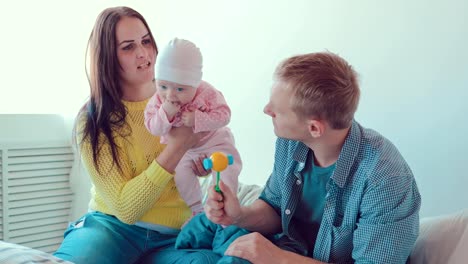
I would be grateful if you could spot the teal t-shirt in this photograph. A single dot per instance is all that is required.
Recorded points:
(308, 214)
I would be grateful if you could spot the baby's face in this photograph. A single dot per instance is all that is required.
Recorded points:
(174, 92)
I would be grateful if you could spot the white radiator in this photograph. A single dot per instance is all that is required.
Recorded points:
(35, 194)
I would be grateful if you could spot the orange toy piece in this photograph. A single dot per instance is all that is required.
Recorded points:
(218, 162)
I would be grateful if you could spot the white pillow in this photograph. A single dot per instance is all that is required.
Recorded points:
(247, 193)
(442, 239)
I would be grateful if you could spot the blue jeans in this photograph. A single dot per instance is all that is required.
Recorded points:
(201, 233)
(100, 238)
(182, 256)
(201, 239)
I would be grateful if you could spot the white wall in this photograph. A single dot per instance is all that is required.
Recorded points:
(411, 56)
(32, 128)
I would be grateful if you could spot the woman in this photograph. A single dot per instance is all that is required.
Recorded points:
(135, 208)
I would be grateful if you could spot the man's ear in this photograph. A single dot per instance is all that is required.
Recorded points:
(316, 128)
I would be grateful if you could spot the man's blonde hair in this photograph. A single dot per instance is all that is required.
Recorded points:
(324, 86)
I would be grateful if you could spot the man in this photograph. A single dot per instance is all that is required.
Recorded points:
(338, 192)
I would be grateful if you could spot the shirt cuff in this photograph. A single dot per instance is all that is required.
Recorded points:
(158, 174)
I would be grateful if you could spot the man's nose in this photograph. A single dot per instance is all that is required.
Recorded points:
(267, 110)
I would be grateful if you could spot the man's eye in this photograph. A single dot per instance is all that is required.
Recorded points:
(163, 87)
(180, 89)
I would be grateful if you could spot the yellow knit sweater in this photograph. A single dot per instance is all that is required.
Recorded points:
(143, 190)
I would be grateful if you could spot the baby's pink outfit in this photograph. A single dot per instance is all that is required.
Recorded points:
(214, 118)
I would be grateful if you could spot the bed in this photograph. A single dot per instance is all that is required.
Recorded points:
(442, 239)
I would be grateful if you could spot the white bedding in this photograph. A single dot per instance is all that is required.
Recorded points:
(246, 193)
(442, 239)
(14, 254)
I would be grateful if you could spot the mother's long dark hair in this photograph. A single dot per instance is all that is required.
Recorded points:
(104, 112)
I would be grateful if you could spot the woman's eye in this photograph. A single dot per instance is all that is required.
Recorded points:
(128, 47)
(180, 89)
(163, 87)
(146, 41)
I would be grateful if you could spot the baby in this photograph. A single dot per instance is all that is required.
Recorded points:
(182, 98)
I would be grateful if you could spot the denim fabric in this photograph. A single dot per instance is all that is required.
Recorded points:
(182, 256)
(171, 255)
(201, 233)
(100, 238)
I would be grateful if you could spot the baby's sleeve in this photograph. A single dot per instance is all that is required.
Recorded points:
(156, 118)
(216, 112)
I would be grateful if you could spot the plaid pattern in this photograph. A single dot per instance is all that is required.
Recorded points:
(371, 212)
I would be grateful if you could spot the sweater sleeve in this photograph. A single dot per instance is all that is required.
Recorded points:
(156, 118)
(217, 113)
(128, 198)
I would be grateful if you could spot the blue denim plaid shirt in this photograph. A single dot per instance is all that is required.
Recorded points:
(371, 212)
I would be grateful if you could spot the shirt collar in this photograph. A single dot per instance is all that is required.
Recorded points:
(300, 155)
(348, 155)
(345, 160)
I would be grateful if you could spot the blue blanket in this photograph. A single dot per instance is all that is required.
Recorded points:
(201, 233)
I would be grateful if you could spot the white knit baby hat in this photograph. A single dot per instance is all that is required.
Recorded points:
(180, 61)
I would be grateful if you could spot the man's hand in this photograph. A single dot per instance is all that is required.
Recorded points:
(171, 108)
(255, 248)
(223, 209)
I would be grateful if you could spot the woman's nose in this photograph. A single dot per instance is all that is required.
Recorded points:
(141, 52)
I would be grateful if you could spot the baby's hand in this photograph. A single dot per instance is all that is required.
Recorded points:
(171, 108)
(188, 118)
(203, 108)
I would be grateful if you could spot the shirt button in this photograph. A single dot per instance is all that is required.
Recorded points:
(287, 211)
(298, 182)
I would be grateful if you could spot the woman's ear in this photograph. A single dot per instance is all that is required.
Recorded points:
(316, 128)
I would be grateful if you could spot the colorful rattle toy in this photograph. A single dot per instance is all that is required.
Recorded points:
(218, 161)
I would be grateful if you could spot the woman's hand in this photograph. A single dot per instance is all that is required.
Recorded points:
(179, 140)
(184, 137)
